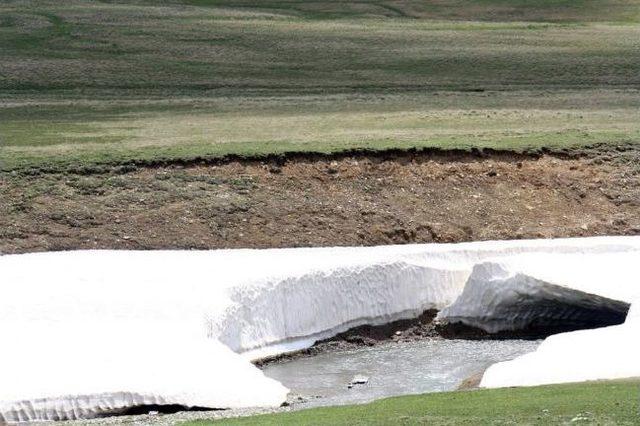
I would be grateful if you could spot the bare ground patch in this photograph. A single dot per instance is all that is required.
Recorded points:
(341, 200)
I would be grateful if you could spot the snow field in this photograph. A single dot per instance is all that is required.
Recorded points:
(93, 332)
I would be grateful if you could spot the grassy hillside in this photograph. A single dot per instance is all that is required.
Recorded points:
(119, 46)
(474, 10)
(86, 81)
(585, 403)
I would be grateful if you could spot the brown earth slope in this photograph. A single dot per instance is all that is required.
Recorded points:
(343, 200)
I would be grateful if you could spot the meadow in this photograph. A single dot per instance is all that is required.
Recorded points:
(104, 82)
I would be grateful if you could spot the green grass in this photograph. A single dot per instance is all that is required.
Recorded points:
(87, 81)
(603, 403)
(483, 10)
(83, 133)
(109, 48)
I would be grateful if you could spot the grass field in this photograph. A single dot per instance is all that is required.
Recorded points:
(85, 82)
(602, 403)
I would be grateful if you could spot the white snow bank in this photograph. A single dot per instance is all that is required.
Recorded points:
(84, 327)
(603, 353)
(537, 290)
(353, 286)
(523, 291)
(295, 312)
(93, 368)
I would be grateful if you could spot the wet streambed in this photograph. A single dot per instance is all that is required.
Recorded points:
(392, 369)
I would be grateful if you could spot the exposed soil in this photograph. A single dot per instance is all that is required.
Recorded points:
(372, 199)
(471, 382)
(406, 330)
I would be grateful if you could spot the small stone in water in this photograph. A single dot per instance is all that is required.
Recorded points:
(359, 380)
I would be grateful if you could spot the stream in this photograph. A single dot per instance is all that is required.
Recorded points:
(392, 369)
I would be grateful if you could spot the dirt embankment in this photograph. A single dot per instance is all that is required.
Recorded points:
(406, 330)
(342, 200)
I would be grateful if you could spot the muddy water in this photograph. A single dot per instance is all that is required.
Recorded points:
(394, 369)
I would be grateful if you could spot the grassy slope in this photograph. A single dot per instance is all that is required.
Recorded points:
(100, 81)
(466, 10)
(616, 402)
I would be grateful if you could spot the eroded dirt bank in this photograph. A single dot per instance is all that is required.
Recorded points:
(406, 330)
(344, 200)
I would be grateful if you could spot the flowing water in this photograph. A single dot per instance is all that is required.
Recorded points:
(393, 369)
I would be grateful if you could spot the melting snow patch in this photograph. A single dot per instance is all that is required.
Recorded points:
(295, 312)
(64, 371)
(95, 332)
(604, 353)
(547, 292)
